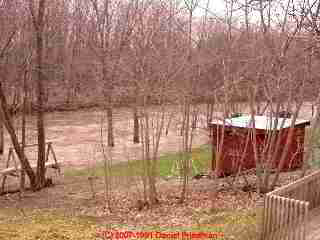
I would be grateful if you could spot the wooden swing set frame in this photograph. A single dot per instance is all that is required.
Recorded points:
(17, 171)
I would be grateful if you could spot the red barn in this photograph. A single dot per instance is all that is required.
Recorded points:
(237, 139)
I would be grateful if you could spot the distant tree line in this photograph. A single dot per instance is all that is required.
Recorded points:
(63, 54)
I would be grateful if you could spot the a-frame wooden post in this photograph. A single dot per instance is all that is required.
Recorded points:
(1, 135)
(10, 155)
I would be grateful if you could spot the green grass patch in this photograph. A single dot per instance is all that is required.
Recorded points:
(166, 165)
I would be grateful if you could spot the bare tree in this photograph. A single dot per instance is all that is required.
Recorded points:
(112, 25)
(5, 113)
(37, 11)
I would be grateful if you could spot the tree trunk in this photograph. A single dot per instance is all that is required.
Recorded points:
(151, 177)
(8, 124)
(136, 137)
(1, 135)
(153, 190)
(39, 25)
(110, 126)
(23, 128)
(186, 151)
(109, 103)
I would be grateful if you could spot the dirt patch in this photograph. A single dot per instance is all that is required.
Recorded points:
(73, 196)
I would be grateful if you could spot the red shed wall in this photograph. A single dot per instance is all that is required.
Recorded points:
(235, 140)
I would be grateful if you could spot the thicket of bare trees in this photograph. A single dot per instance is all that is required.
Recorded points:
(140, 53)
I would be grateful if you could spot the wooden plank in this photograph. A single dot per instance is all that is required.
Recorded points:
(295, 220)
(272, 216)
(55, 165)
(287, 225)
(282, 217)
(263, 232)
(7, 166)
(276, 218)
(55, 158)
(47, 152)
(7, 171)
(268, 220)
(298, 223)
(290, 219)
(300, 220)
(32, 145)
(306, 219)
(10, 170)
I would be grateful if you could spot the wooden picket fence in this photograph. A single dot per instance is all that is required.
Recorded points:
(286, 209)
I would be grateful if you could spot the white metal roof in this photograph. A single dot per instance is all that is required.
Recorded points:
(261, 122)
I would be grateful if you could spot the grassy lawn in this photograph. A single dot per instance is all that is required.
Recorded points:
(50, 226)
(166, 165)
(47, 226)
